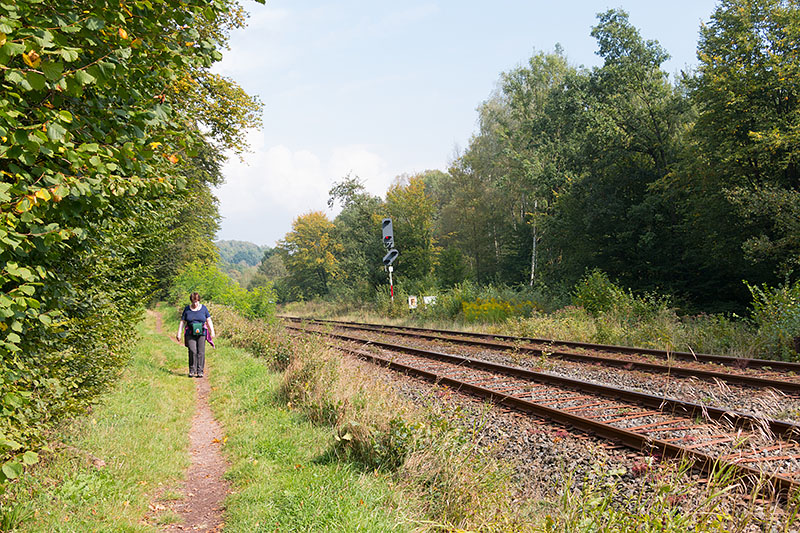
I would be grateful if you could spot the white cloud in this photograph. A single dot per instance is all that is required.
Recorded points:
(265, 193)
(359, 161)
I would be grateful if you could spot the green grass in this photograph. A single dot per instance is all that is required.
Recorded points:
(140, 430)
(281, 474)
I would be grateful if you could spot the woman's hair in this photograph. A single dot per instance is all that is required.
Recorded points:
(194, 297)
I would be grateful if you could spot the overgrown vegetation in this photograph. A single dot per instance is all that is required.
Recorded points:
(676, 504)
(454, 482)
(776, 312)
(596, 310)
(680, 187)
(262, 338)
(112, 129)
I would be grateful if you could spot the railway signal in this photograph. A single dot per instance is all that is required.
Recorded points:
(390, 256)
(388, 234)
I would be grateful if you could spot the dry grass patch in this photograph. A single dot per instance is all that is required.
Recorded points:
(455, 482)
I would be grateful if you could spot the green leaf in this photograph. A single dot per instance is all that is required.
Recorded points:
(9, 444)
(15, 76)
(52, 70)
(12, 470)
(84, 78)
(36, 80)
(56, 131)
(30, 458)
(94, 24)
(67, 54)
(65, 116)
(89, 147)
(107, 67)
(27, 158)
(13, 49)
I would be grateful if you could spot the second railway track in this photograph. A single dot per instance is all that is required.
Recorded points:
(780, 375)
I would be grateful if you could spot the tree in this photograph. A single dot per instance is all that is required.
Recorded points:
(472, 214)
(309, 253)
(614, 215)
(748, 129)
(451, 269)
(412, 212)
(97, 153)
(533, 145)
(358, 231)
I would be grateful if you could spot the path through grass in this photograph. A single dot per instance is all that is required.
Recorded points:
(112, 469)
(282, 479)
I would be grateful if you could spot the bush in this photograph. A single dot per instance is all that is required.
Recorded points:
(598, 294)
(215, 286)
(262, 338)
(776, 312)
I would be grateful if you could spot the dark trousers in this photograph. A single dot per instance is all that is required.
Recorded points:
(197, 353)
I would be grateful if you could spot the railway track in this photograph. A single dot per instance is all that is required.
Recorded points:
(780, 375)
(756, 447)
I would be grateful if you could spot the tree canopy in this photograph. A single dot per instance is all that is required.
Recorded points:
(684, 186)
(108, 147)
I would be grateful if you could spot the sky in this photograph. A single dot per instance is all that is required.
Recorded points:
(377, 89)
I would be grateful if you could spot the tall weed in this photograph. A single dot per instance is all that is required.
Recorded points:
(776, 312)
(668, 501)
(262, 338)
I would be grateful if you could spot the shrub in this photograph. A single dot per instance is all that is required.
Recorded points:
(262, 338)
(213, 285)
(776, 312)
(598, 294)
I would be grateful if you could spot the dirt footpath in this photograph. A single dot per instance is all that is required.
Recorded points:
(205, 489)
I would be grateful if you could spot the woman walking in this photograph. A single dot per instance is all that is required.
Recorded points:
(196, 325)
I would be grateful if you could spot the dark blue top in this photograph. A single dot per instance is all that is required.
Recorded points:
(201, 315)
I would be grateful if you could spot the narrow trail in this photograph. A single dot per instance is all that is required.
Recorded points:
(205, 489)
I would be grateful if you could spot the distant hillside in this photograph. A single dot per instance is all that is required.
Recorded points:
(240, 252)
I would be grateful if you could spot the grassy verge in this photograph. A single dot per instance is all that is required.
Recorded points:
(106, 467)
(283, 477)
(456, 486)
(441, 478)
